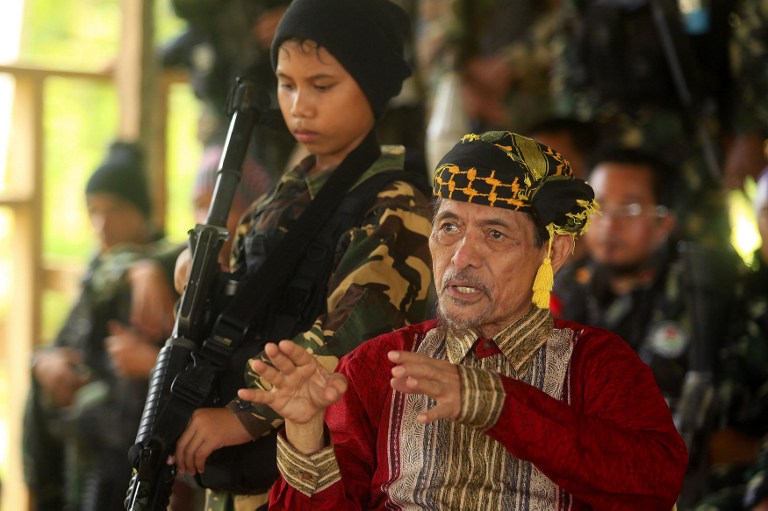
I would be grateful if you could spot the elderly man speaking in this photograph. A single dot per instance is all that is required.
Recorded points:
(493, 405)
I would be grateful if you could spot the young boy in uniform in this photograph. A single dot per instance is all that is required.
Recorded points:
(338, 62)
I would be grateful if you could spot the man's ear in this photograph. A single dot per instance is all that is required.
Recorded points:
(562, 248)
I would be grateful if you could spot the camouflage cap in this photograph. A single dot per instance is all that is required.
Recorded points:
(506, 170)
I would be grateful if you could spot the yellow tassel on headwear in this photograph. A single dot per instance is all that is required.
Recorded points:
(545, 280)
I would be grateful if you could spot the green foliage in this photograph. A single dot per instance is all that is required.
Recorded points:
(81, 116)
(77, 137)
(80, 34)
(183, 156)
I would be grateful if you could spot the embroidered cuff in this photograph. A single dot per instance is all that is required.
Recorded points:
(482, 397)
(309, 474)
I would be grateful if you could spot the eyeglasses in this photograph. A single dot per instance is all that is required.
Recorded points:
(633, 210)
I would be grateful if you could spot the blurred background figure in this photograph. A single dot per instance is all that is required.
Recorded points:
(575, 139)
(739, 475)
(678, 303)
(89, 386)
(224, 40)
(483, 65)
(685, 79)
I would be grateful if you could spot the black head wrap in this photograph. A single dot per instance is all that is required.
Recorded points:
(122, 174)
(366, 37)
(506, 170)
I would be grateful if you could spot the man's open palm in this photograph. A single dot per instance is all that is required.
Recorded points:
(301, 388)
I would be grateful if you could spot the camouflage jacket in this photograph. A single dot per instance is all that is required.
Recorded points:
(745, 361)
(745, 388)
(659, 316)
(381, 276)
(749, 61)
(450, 32)
(737, 54)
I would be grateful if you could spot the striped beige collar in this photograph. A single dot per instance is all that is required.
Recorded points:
(519, 341)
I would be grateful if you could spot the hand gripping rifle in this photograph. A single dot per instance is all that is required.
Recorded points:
(183, 374)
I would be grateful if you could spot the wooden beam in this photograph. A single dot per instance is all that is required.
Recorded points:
(23, 325)
(137, 76)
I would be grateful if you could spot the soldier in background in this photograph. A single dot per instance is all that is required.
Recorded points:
(500, 51)
(739, 477)
(680, 305)
(89, 387)
(224, 40)
(614, 66)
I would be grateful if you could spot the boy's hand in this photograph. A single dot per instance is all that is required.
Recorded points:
(208, 430)
(301, 391)
(133, 355)
(57, 371)
(438, 379)
(301, 387)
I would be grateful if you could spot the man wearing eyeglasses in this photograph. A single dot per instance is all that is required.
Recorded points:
(675, 302)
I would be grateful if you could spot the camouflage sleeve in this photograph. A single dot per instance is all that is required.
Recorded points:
(382, 282)
(749, 61)
(757, 480)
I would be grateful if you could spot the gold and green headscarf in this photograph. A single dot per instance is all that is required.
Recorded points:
(506, 170)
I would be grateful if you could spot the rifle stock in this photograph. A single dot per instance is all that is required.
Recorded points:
(182, 377)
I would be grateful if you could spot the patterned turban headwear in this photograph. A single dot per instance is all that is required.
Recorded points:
(505, 170)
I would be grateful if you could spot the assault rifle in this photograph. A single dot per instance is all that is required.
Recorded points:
(710, 300)
(183, 375)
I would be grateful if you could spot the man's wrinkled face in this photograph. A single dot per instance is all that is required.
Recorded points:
(631, 226)
(484, 261)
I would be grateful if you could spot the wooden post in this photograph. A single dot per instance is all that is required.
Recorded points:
(23, 324)
(137, 79)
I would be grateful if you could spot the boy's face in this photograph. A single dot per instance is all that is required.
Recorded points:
(322, 104)
(116, 221)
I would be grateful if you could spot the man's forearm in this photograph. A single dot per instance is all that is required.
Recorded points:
(307, 438)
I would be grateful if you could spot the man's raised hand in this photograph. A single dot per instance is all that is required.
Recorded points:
(415, 373)
(301, 390)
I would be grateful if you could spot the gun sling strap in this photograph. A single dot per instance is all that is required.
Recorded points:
(194, 384)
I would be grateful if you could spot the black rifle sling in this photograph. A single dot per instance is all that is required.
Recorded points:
(194, 384)
(258, 288)
(305, 294)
